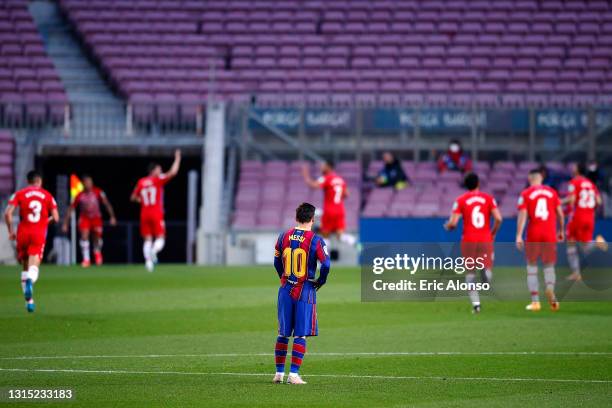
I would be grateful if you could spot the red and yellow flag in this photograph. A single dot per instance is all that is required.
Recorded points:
(75, 186)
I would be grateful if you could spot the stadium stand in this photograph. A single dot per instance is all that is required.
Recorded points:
(455, 52)
(432, 194)
(262, 188)
(267, 193)
(30, 90)
(7, 166)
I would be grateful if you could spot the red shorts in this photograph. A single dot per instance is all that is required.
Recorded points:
(30, 242)
(475, 250)
(91, 224)
(580, 231)
(152, 225)
(331, 222)
(546, 251)
(541, 246)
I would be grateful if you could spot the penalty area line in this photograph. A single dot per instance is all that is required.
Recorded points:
(349, 376)
(322, 354)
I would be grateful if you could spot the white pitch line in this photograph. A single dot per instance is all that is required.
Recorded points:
(379, 377)
(325, 354)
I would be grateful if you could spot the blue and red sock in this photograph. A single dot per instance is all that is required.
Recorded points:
(297, 353)
(280, 353)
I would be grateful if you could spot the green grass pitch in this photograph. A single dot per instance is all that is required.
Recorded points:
(187, 336)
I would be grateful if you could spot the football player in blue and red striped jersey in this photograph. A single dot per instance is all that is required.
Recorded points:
(296, 255)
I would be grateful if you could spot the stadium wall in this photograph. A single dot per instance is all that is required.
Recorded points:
(430, 230)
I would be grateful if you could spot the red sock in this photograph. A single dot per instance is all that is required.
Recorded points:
(280, 353)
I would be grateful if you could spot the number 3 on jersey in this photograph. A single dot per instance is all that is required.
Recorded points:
(295, 262)
(35, 210)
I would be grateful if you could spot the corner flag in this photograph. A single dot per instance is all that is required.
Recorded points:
(75, 186)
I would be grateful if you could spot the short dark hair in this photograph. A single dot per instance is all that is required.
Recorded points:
(581, 168)
(470, 181)
(32, 176)
(536, 171)
(152, 166)
(330, 163)
(304, 213)
(85, 176)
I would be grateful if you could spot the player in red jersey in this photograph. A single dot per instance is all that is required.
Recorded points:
(296, 254)
(335, 192)
(583, 199)
(149, 192)
(540, 205)
(36, 205)
(90, 219)
(476, 208)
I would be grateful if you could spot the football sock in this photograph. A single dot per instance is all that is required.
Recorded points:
(488, 275)
(550, 277)
(24, 278)
(297, 354)
(572, 258)
(348, 239)
(98, 245)
(33, 273)
(588, 247)
(146, 250)
(158, 245)
(473, 294)
(532, 282)
(84, 249)
(280, 353)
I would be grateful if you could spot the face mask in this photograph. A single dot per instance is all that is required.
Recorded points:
(454, 148)
(592, 167)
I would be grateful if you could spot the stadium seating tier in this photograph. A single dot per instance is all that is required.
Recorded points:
(30, 88)
(457, 52)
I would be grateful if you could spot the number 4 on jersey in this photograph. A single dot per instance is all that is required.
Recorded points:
(541, 209)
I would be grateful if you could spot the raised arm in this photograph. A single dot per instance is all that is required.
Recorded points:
(312, 183)
(174, 169)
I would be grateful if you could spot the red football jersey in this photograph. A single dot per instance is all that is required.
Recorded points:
(35, 206)
(541, 204)
(151, 193)
(334, 192)
(88, 203)
(585, 195)
(475, 207)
